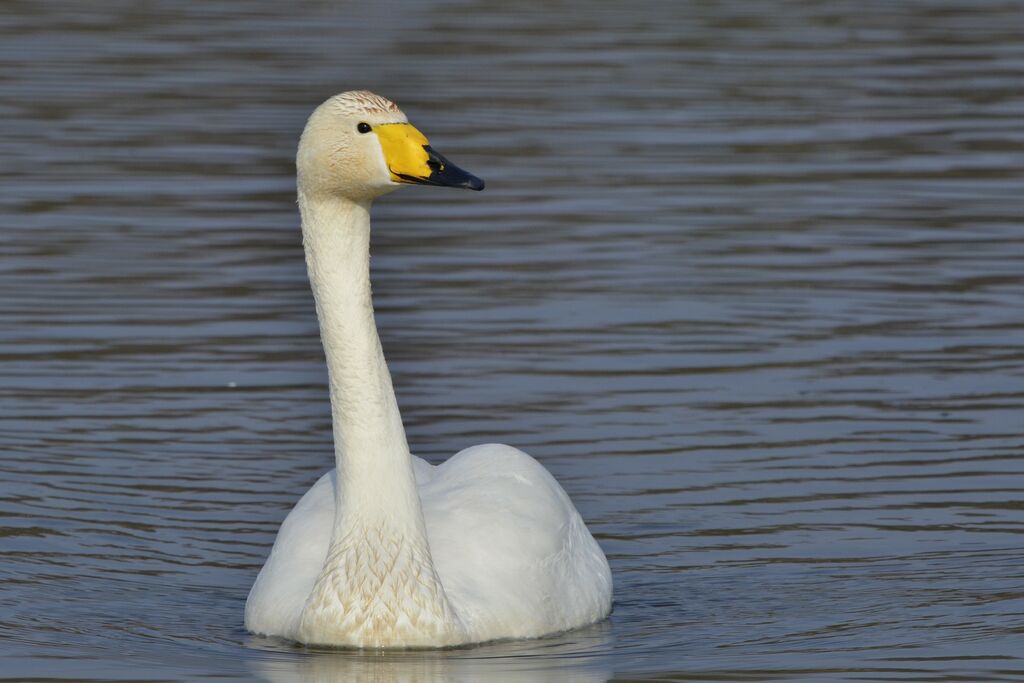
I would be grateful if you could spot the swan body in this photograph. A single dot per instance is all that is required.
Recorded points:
(387, 550)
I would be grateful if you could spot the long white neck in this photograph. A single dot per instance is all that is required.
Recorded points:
(374, 464)
(364, 595)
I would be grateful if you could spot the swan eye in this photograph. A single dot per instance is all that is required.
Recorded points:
(363, 127)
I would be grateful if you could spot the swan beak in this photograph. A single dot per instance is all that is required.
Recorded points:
(411, 159)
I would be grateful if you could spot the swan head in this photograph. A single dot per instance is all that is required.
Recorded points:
(360, 146)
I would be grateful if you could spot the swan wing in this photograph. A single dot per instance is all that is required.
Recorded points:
(512, 552)
(276, 600)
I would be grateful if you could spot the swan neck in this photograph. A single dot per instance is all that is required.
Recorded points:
(372, 455)
(378, 585)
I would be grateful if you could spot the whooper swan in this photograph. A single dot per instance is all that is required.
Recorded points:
(387, 550)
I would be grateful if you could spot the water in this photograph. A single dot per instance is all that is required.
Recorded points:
(746, 278)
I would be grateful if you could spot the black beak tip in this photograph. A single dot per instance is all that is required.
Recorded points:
(448, 174)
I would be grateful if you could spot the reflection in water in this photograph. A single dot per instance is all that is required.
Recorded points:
(338, 668)
(571, 658)
(746, 278)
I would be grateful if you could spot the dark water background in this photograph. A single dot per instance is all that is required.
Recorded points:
(748, 278)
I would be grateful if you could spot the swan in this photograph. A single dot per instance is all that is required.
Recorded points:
(387, 550)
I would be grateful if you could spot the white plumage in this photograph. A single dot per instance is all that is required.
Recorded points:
(387, 550)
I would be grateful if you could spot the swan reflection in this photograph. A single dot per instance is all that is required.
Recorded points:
(579, 657)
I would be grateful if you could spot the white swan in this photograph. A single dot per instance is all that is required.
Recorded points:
(387, 550)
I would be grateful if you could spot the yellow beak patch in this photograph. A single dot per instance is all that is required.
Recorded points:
(411, 159)
(404, 151)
